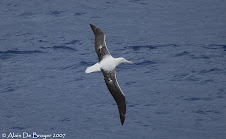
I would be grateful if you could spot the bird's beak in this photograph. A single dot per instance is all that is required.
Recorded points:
(130, 62)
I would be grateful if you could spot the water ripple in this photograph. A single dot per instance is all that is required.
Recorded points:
(86, 63)
(182, 54)
(79, 14)
(198, 98)
(224, 47)
(72, 42)
(210, 70)
(146, 62)
(20, 52)
(18, 128)
(60, 47)
(136, 48)
(56, 12)
(65, 120)
(216, 46)
(206, 112)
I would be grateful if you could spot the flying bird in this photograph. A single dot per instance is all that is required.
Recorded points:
(107, 65)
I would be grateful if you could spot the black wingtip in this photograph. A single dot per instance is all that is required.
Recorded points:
(96, 30)
(93, 28)
(122, 118)
(122, 109)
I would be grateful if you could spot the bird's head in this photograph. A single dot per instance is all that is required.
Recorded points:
(123, 60)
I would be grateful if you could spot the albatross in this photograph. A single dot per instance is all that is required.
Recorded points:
(107, 65)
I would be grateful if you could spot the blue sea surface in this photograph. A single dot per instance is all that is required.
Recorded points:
(175, 89)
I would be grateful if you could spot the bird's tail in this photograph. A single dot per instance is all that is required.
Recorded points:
(93, 68)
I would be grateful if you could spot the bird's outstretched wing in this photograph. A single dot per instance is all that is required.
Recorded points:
(116, 92)
(100, 44)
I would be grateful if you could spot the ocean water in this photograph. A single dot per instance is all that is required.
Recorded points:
(175, 90)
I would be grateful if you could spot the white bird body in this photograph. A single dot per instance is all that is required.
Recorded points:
(108, 63)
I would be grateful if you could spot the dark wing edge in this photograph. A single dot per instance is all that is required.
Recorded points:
(116, 92)
(100, 44)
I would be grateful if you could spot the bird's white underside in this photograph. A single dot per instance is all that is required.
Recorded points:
(108, 63)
